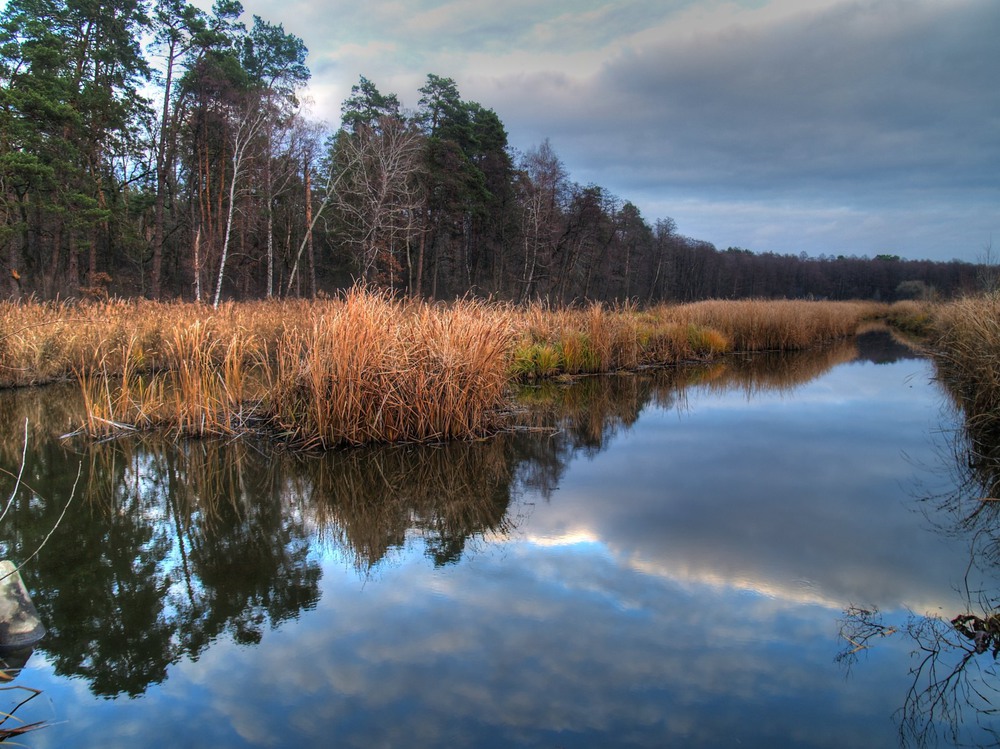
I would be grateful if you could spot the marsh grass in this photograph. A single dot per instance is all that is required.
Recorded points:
(967, 352)
(776, 325)
(913, 318)
(377, 370)
(366, 367)
(361, 369)
(598, 338)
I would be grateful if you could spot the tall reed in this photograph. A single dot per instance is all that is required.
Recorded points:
(365, 367)
(776, 325)
(377, 370)
(597, 338)
(602, 339)
(967, 350)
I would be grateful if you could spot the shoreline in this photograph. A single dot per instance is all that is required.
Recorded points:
(368, 368)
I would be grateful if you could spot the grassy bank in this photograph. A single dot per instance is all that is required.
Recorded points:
(599, 339)
(966, 345)
(365, 367)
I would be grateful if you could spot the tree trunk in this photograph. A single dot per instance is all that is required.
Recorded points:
(419, 290)
(197, 266)
(270, 220)
(73, 271)
(159, 206)
(225, 242)
(309, 234)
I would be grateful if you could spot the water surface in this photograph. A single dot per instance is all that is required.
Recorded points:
(665, 559)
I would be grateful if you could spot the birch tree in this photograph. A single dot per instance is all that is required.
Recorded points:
(379, 196)
(249, 123)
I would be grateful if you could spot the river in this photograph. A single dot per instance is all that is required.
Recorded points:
(758, 553)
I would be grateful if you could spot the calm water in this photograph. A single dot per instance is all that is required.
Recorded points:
(663, 560)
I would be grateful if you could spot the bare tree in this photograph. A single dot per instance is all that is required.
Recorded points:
(542, 191)
(379, 195)
(334, 176)
(988, 271)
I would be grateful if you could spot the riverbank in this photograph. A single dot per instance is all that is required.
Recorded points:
(366, 367)
(966, 349)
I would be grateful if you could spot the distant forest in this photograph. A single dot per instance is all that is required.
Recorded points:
(162, 152)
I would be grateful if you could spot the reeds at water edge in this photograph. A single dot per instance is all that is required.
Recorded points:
(361, 369)
(597, 338)
(966, 347)
(366, 367)
(777, 325)
(378, 370)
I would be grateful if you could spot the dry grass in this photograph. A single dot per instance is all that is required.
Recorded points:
(365, 367)
(913, 318)
(777, 325)
(375, 370)
(967, 351)
(601, 339)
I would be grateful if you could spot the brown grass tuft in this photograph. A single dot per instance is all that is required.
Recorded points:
(365, 367)
(967, 351)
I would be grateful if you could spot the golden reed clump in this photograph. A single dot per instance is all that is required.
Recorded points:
(365, 367)
(371, 369)
(360, 369)
(966, 347)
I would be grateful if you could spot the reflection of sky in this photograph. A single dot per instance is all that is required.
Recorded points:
(539, 647)
(682, 588)
(802, 495)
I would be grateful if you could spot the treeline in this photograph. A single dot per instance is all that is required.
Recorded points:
(164, 153)
(700, 271)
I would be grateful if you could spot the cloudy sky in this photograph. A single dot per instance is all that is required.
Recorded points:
(827, 126)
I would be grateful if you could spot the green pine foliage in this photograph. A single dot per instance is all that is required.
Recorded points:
(162, 152)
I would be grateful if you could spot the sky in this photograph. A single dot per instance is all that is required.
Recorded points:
(852, 127)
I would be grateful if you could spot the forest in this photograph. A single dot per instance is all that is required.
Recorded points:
(164, 152)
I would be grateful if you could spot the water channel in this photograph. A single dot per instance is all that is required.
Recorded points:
(764, 552)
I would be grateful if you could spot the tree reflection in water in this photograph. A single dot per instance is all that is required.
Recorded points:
(955, 691)
(175, 545)
(171, 546)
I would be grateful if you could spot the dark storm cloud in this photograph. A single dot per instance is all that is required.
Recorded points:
(894, 95)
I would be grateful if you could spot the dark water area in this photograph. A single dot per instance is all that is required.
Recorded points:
(763, 552)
